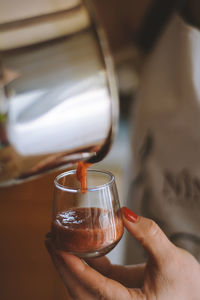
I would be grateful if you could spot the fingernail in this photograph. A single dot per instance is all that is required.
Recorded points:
(129, 214)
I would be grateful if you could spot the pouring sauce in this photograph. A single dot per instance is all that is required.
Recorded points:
(81, 174)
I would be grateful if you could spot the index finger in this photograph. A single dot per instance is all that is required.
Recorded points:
(131, 276)
(97, 284)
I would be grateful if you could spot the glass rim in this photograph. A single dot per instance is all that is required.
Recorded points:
(78, 190)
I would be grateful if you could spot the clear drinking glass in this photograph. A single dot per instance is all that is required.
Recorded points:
(86, 224)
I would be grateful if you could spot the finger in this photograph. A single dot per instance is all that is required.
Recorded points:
(99, 286)
(149, 234)
(75, 288)
(130, 276)
(83, 282)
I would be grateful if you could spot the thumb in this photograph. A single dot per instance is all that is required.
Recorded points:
(149, 234)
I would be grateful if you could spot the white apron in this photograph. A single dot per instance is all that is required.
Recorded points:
(166, 139)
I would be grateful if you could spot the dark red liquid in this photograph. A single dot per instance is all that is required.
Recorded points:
(87, 231)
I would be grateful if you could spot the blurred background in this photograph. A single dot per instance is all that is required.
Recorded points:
(26, 272)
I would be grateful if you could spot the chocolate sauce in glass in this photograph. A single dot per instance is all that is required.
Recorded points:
(87, 231)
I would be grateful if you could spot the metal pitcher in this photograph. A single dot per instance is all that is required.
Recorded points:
(58, 98)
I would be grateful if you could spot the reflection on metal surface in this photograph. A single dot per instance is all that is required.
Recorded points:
(58, 102)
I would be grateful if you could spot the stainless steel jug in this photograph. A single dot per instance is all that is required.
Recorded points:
(58, 98)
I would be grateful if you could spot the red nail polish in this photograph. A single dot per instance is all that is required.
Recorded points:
(129, 215)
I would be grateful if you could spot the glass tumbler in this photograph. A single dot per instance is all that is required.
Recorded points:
(86, 224)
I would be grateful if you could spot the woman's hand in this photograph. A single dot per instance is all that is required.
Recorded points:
(171, 273)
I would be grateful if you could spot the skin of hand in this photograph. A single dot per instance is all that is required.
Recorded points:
(170, 272)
